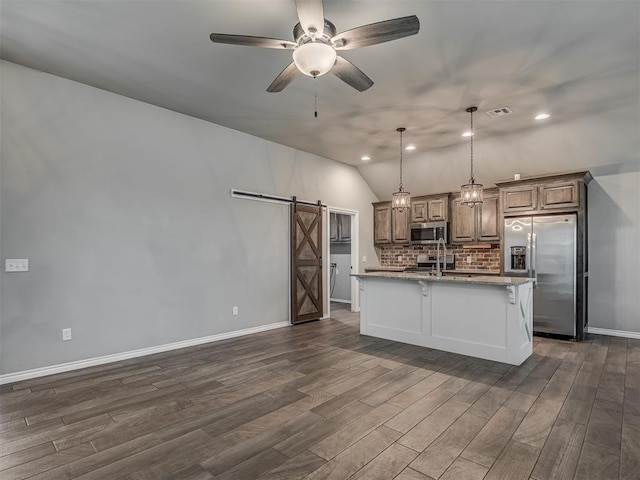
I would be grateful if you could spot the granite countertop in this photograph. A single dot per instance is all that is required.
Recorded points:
(456, 278)
(459, 271)
(474, 272)
(384, 269)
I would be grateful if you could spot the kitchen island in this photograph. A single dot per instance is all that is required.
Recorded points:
(488, 317)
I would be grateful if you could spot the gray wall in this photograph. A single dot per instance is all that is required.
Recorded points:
(614, 237)
(342, 285)
(124, 212)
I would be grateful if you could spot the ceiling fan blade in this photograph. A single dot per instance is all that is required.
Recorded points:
(251, 41)
(311, 16)
(379, 32)
(285, 77)
(349, 73)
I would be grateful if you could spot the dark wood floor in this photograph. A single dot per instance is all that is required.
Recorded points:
(319, 401)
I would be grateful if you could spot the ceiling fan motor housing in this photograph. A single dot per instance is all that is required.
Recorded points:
(301, 37)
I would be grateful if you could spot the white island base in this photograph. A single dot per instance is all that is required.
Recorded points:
(484, 317)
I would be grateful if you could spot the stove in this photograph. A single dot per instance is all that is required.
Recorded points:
(427, 263)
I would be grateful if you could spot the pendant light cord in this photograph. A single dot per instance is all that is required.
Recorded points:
(400, 130)
(400, 159)
(472, 179)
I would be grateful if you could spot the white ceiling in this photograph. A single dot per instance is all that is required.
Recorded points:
(573, 58)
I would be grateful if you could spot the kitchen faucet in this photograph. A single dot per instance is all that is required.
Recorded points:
(444, 248)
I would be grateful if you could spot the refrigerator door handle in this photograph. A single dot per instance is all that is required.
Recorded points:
(534, 256)
(529, 257)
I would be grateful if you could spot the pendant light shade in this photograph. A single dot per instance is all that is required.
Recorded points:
(401, 199)
(471, 193)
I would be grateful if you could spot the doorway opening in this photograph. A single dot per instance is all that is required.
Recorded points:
(342, 241)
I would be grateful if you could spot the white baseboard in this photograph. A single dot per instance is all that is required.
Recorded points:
(340, 300)
(614, 333)
(116, 357)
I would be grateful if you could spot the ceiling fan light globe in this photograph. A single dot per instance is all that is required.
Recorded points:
(314, 58)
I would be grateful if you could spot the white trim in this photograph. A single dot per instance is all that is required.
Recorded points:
(614, 333)
(90, 362)
(355, 254)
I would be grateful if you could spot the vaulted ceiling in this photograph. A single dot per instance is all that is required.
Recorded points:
(572, 58)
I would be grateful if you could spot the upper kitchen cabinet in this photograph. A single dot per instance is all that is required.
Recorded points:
(344, 227)
(390, 226)
(333, 227)
(554, 193)
(382, 223)
(559, 195)
(519, 198)
(479, 224)
(339, 228)
(400, 232)
(429, 209)
(488, 220)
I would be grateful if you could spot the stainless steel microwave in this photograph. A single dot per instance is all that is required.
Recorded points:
(429, 232)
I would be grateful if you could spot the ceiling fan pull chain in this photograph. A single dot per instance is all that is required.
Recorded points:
(315, 96)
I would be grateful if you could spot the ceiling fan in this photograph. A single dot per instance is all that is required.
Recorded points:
(316, 45)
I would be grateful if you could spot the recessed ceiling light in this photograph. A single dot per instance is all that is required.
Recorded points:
(542, 116)
(365, 158)
(410, 147)
(467, 134)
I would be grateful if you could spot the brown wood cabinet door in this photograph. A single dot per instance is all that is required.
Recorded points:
(419, 211)
(306, 262)
(559, 195)
(463, 225)
(516, 199)
(488, 228)
(382, 224)
(344, 228)
(333, 227)
(400, 223)
(438, 209)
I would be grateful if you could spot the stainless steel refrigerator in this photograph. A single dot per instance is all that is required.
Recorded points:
(544, 248)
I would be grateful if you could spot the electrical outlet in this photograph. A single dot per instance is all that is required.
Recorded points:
(399, 258)
(66, 334)
(235, 310)
(468, 258)
(364, 259)
(16, 265)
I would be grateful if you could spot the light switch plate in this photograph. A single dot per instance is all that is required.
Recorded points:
(16, 265)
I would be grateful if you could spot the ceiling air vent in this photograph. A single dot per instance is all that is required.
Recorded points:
(499, 112)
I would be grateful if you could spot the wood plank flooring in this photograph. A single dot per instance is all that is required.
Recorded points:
(319, 401)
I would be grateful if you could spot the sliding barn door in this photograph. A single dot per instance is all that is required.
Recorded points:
(306, 262)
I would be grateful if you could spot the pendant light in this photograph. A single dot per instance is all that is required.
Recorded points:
(471, 193)
(401, 199)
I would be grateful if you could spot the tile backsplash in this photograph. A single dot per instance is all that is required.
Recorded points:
(481, 258)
